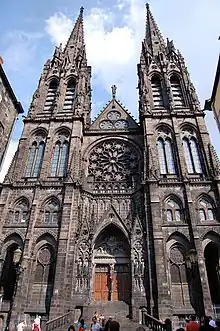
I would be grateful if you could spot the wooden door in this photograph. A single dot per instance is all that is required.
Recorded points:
(121, 283)
(101, 284)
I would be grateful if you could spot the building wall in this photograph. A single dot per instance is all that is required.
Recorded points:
(9, 110)
(216, 104)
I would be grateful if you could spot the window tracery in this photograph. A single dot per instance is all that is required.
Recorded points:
(51, 212)
(165, 153)
(20, 214)
(174, 211)
(35, 157)
(60, 156)
(45, 265)
(177, 266)
(191, 151)
(206, 212)
(114, 121)
(113, 162)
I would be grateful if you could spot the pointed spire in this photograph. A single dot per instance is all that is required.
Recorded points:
(75, 43)
(153, 36)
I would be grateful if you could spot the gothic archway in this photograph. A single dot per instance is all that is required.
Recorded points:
(8, 276)
(111, 271)
(212, 258)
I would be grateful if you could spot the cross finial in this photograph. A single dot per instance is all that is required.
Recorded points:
(114, 89)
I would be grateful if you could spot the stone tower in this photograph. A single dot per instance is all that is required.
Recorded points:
(112, 212)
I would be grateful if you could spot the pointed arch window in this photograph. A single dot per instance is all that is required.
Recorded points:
(51, 212)
(70, 95)
(174, 211)
(44, 272)
(20, 214)
(157, 92)
(51, 95)
(206, 210)
(35, 159)
(191, 152)
(60, 159)
(177, 91)
(166, 155)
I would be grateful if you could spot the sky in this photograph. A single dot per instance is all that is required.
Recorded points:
(114, 30)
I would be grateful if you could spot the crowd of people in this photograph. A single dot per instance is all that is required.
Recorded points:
(99, 323)
(206, 324)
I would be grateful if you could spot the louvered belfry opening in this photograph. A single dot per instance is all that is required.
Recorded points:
(51, 95)
(157, 92)
(70, 95)
(177, 91)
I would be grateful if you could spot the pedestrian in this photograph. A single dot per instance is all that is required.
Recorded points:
(95, 324)
(21, 325)
(81, 325)
(114, 326)
(192, 325)
(206, 326)
(36, 324)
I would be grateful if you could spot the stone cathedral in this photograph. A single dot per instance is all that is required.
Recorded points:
(112, 211)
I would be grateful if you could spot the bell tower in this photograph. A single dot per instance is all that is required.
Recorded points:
(178, 169)
(64, 86)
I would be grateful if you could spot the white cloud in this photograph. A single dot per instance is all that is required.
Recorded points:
(8, 158)
(113, 42)
(20, 49)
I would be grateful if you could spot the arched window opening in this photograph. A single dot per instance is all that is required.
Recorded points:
(192, 157)
(44, 272)
(212, 256)
(70, 95)
(51, 212)
(20, 212)
(51, 95)
(166, 156)
(35, 159)
(206, 212)
(178, 274)
(8, 276)
(174, 211)
(177, 91)
(157, 92)
(60, 159)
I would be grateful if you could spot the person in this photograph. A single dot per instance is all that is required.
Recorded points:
(36, 324)
(206, 326)
(180, 329)
(192, 325)
(212, 322)
(114, 326)
(21, 325)
(95, 325)
(81, 325)
(71, 328)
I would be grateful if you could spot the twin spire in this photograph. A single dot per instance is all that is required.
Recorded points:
(76, 39)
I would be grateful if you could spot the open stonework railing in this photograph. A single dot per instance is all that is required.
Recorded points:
(153, 323)
(60, 322)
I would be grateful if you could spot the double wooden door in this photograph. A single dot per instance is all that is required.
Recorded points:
(116, 288)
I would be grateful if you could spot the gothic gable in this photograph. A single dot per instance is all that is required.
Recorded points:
(114, 117)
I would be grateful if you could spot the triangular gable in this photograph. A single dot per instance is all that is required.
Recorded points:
(114, 117)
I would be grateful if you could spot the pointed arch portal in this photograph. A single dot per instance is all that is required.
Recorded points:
(111, 260)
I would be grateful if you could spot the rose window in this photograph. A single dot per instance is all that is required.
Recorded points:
(113, 161)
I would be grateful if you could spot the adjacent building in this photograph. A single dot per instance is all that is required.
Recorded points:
(214, 103)
(10, 108)
(112, 215)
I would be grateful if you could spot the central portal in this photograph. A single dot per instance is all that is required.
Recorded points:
(111, 274)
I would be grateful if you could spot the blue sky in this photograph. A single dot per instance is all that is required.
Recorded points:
(114, 30)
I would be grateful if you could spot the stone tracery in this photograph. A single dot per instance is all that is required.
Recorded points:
(113, 161)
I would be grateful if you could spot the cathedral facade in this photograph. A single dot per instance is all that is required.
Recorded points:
(113, 210)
